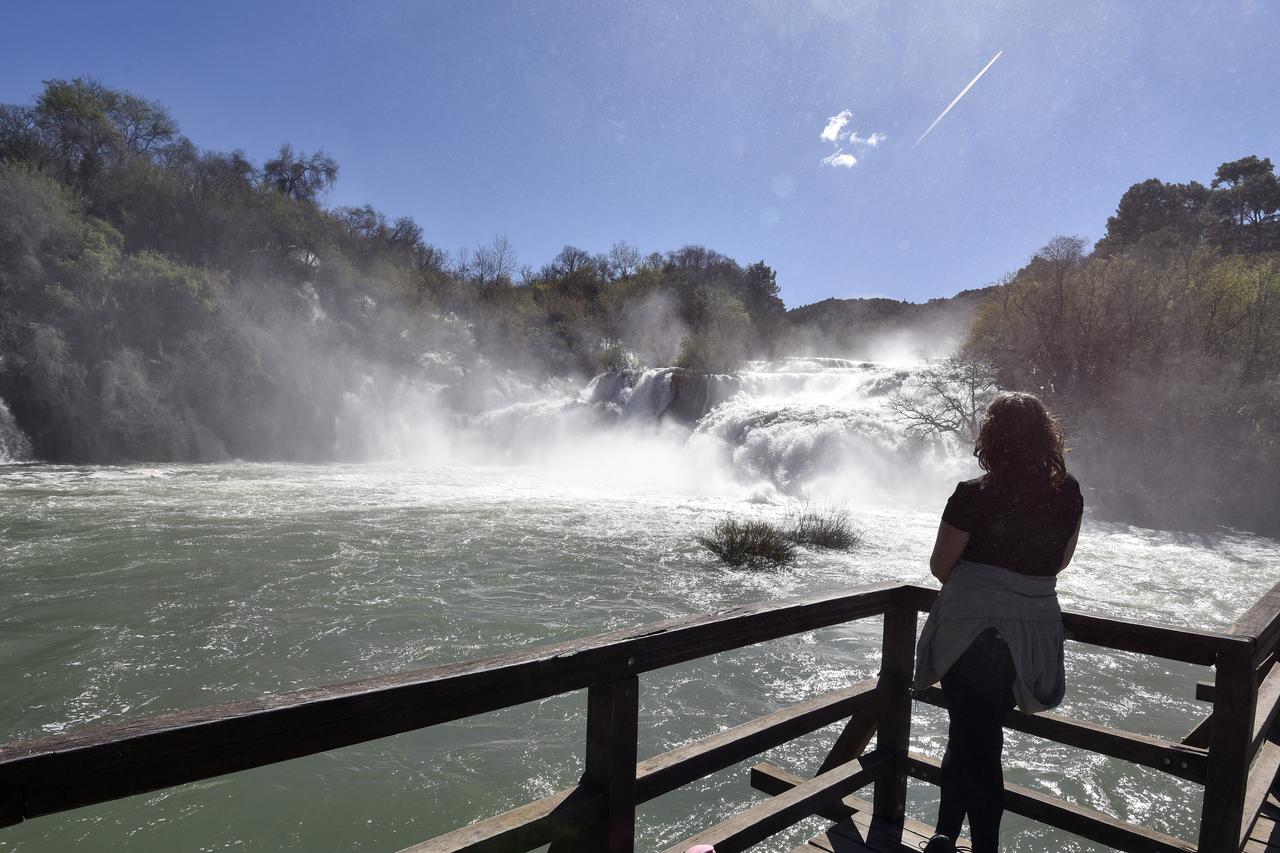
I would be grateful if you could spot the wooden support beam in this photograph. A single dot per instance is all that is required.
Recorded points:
(1174, 758)
(897, 666)
(1230, 744)
(684, 764)
(757, 823)
(1129, 635)
(1200, 735)
(1078, 820)
(611, 767)
(774, 780)
(853, 740)
(560, 817)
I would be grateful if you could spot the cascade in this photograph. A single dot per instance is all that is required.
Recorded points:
(14, 445)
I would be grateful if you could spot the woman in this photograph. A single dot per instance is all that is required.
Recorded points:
(994, 637)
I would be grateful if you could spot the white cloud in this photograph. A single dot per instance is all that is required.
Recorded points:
(835, 124)
(836, 134)
(840, 159)
(871, 141)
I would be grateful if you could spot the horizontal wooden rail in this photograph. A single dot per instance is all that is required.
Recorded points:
(1262, 623)
(1182, 761)
(750, 827)
(684, 764)
(77, 769)
(1130, 635)
(1078, 820)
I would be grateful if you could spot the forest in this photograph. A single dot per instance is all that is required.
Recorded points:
(1160, 347)
(163, 302)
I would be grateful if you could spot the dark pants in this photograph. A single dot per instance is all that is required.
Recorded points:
(979, 690)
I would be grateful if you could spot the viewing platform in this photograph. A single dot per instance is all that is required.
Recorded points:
(1234, 753)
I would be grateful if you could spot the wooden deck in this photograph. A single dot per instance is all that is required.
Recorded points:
(1234, 752)
(1265, 835)
(862, 832)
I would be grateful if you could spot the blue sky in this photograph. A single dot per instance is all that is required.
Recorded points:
(666, 123)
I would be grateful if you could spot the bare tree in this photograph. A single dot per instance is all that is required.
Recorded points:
(492, 263)
(504, 257)
(624, 259)
(949, 396)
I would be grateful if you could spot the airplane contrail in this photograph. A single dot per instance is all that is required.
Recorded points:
(957, 98)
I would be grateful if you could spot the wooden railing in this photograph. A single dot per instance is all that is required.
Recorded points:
(1232, 753)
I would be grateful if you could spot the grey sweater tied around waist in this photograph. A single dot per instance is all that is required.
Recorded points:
(1023, 608)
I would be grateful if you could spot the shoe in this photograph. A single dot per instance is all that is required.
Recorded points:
(940, 844)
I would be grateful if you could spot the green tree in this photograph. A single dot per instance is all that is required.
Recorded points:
(1246, 205)
(1169, 215)
(300, 176)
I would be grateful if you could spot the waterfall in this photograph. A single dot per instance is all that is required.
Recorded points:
(14, 445)
(822, 426)
(817, 427)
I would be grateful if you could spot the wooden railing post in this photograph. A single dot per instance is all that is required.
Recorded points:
(897, 668)
(1235, 697)
(611, 762)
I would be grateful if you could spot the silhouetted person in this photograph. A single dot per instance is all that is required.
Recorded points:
(994, 638)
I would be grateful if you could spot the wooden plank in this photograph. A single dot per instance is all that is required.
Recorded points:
(1129, 635)
(684, 764)
(1177, 759)
(1230, 742)
(66, 771)
(897, 666)
(1262, 777)
(611, 766)
(774, 780)
(864, 836)
(1078, 820)
(560, 816)
(757, 823)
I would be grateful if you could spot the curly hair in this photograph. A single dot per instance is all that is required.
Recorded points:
(1020, 441)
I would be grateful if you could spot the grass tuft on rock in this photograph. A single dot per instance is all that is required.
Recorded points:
(752, 544)
(831, 528)
(759, 544)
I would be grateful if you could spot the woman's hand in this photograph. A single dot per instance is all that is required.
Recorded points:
(947, 549)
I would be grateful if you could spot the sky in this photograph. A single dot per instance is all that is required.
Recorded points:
(788, 132)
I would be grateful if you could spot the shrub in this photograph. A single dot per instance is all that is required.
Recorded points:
(750, 543)
(829, 527)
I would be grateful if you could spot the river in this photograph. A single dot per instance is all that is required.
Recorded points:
(140, 589)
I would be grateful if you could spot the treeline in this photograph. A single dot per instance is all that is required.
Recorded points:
(1161, 347)
(162, 302)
